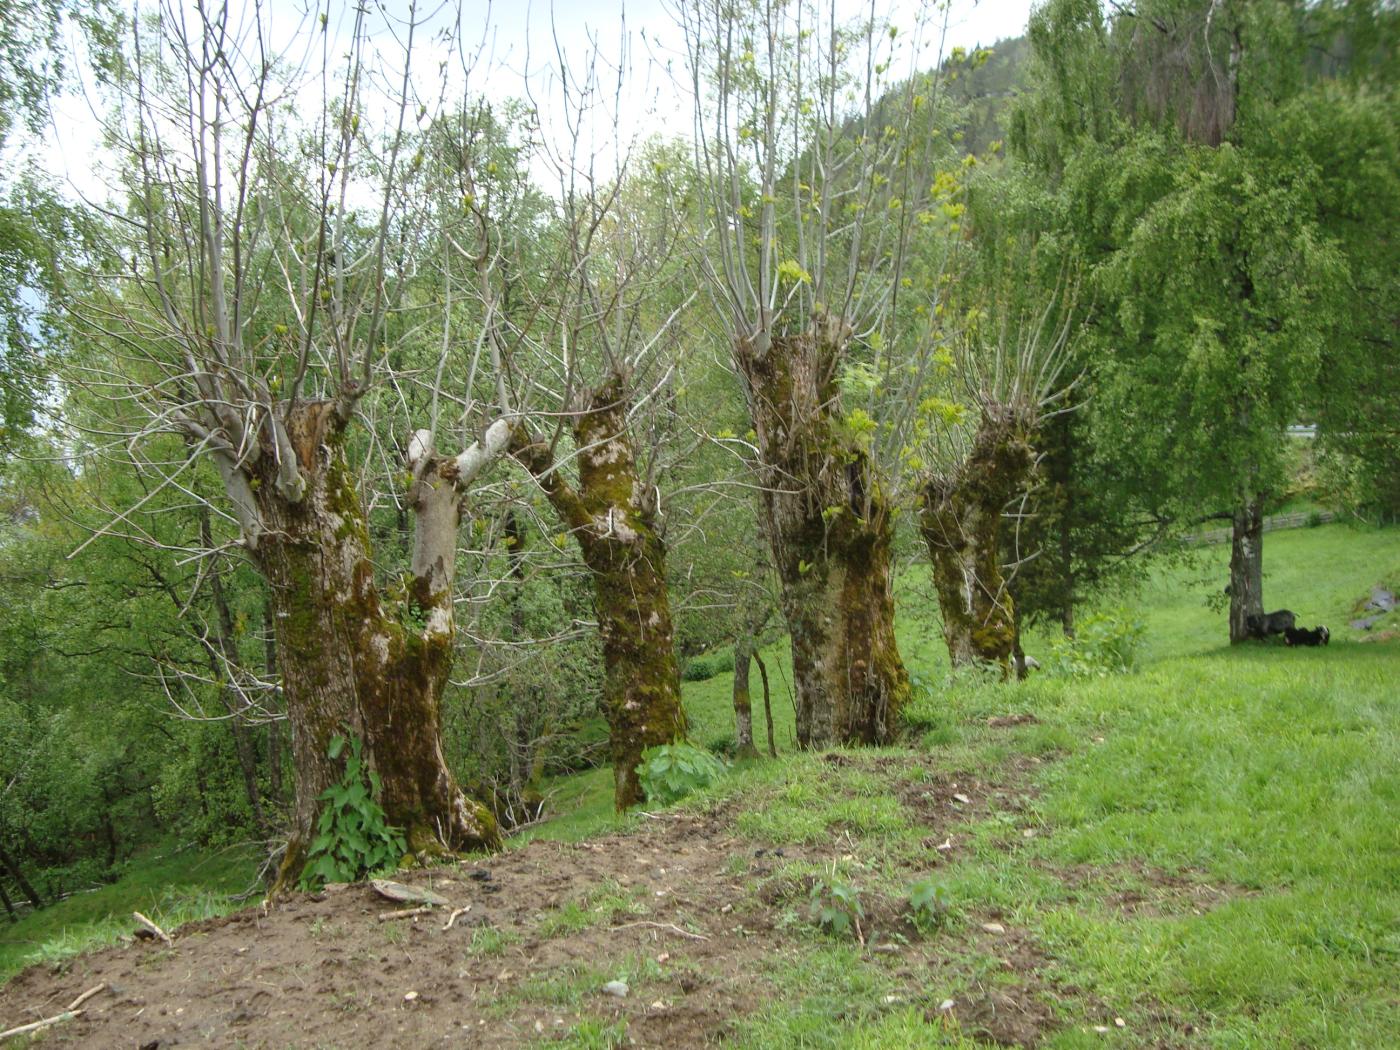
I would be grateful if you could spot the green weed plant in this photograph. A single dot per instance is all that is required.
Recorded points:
(673, 771)
(354, 838)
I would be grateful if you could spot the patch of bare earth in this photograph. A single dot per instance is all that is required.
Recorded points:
(698, 945)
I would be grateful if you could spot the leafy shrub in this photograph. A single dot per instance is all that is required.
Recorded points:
(723, 745)
(929, 902)
(836, 906)
(700, 668)
(1104, 644)
(672, 771)
(354, 838)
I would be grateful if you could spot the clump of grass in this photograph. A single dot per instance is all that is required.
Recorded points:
(601, 905)
(172, 889)
(593, 1033)
(490, 940)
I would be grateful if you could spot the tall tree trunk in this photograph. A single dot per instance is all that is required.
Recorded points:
(347, 663)
(525, 742)
(767, 702)
(225, 663)
(961, 523)
(743, 702)
(613, 518)
(9, 905)
(24, 884)
(1066, 539)
(1246, 566)
(274, 731)
(830, 530)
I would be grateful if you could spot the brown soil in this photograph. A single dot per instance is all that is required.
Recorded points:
(699, 919)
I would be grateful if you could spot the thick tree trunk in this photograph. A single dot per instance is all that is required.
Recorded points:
(830, 531)
(961, 523)
(9, 905)
(1246, 566)
(274, 733)
(348, 664)
(743, 702)
(613, 518)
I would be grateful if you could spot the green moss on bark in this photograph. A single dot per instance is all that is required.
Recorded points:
(829, 526)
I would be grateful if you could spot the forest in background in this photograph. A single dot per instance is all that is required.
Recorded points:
(326, 431)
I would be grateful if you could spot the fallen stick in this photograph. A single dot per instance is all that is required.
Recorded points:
(152, 927)
(456, 914)
(86, 996)
(67, 1014)
(34, 1026)
(663, 926)
(406, 913)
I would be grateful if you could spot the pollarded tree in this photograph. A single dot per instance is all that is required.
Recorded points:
(610, 386)
(259, 306)
(1010, 372)
(817, 163)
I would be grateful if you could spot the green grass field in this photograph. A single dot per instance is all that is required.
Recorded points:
(1270, 777)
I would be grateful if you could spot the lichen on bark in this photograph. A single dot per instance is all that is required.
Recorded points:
(960, 520)
(352, 659)
(613, 518)
(830, 528)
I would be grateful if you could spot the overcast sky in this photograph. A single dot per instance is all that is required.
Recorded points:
(519, 39)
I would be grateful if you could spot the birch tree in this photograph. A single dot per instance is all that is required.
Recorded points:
(1217, 288)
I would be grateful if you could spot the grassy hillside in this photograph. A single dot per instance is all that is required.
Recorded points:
(1207, 850)
(1269, 775)
(170, 886)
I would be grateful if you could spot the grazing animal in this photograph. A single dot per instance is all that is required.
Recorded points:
(1277, 622)
(1299, 636)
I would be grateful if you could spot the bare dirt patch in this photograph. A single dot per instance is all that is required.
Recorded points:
(682, 909)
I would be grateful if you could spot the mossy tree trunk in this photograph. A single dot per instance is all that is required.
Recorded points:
(530, 730)
(352, 659)
(1246, 566)
(830, 530)
(961, 524)
(767, 702)
(743, 700)
(613, 517)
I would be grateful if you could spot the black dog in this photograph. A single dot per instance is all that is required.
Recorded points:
(1278, 622)
(1298, 636)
